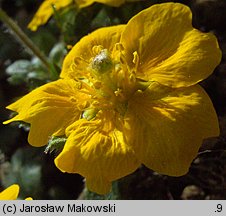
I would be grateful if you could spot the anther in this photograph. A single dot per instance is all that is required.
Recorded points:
(136, 59)
(118, 92)
(78, 85)
(119, 47)
(132, 78)
(97, 49)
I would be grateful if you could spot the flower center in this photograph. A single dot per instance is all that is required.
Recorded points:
(111, 81)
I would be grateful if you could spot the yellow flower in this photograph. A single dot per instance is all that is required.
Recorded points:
(46, 10)
(11, 193)
(128, 95)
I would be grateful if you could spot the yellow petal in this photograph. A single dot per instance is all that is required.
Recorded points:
(98, 185)
(106, 37)
(45, 11)
(10, 193)
(49, 109)
(113, 3)
(170, 50)
(167, 132)
(97, 150)
(29, 198)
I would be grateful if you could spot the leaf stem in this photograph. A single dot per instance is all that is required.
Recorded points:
(23, 38)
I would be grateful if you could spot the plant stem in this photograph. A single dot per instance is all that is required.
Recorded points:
(23, 38)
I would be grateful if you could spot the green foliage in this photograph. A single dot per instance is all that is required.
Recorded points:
(33, 72)
(25, 170)
(45, 40)
(57, 54)
(25, 71)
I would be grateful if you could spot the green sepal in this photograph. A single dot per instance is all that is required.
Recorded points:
(55, 145)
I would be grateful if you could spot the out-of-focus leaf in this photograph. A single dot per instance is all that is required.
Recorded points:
(102, 19)
(66, 20)
(25, 170)
(18, 71)
(58, 53)
(18, 67)
(31, 72)
(45, 40)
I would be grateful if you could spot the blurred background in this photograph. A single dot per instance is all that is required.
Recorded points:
(21, 72)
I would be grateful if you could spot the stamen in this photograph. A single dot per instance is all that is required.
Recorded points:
(77, 67)
(119, 47)
(122, 59)
(118, 92)
(132, 77)
(136, 59)
(82, 106)
(79, 60)
(97, 49)
(78, 85)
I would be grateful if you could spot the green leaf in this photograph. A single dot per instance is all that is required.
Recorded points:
(25, 170)
(45, 40)
(58, 53)
(19, 67)
(18, 71)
